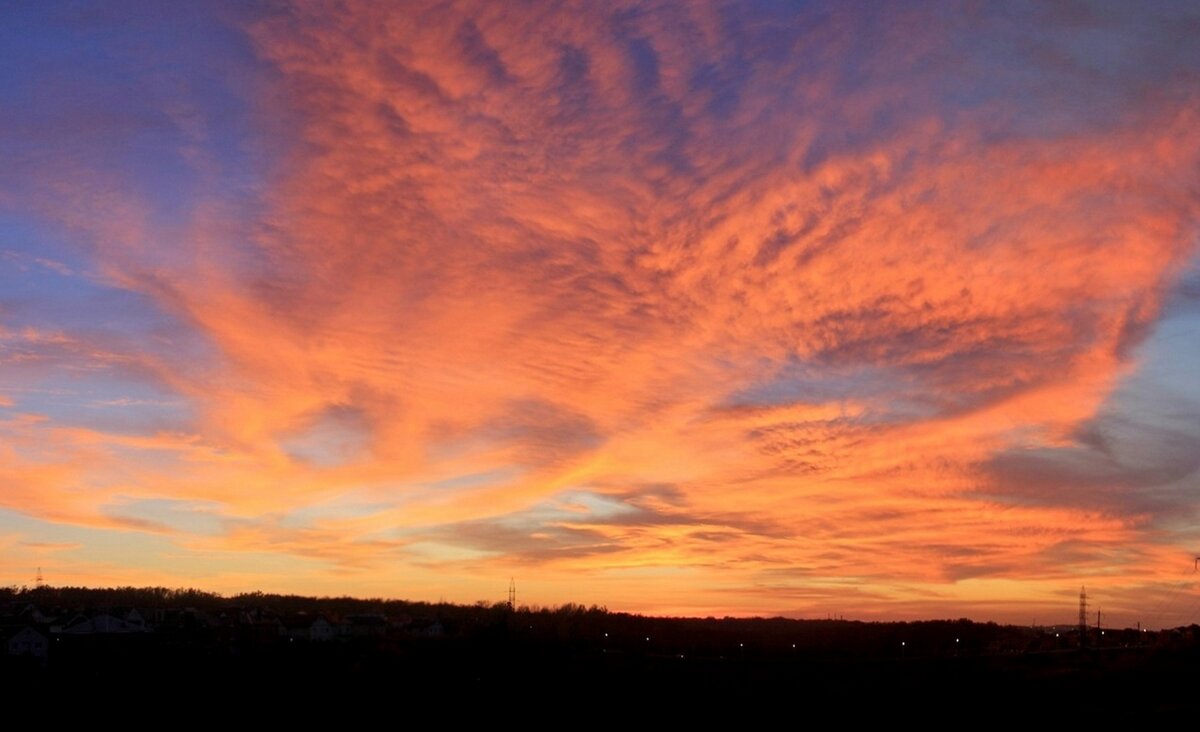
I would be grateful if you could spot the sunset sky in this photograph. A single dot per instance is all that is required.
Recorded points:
(881, 310)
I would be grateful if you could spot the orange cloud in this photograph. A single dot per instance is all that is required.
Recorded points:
(722, 313)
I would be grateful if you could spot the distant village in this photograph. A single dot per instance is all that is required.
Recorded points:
(30, 629)
(276, 652)
(38, 625)
(44, 625)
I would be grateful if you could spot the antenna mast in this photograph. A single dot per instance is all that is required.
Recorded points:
(512, 594)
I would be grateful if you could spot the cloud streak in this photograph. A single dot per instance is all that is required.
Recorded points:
(795, 301)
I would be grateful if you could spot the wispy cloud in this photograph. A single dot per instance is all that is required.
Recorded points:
(51, 546)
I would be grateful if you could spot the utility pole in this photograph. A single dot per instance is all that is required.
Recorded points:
(1083, 624)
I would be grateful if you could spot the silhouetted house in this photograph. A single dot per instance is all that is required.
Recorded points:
(364, 626)
(26, 613)
(186, 620)
(262, 629)
(29, 643)
(427, 627)
(100, 623)
(131, 616)
(306, 627)
(66, 622)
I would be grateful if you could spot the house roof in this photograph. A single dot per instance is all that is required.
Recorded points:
(8, 634)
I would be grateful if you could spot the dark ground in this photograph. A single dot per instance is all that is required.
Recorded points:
(212, 658)
(1125, 685)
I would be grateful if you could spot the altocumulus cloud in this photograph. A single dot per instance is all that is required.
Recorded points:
(808, 304)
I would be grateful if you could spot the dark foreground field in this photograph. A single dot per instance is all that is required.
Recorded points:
(465, 677)
(1114, 684)
(342, 659)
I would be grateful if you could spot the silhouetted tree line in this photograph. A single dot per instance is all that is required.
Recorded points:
(591, 627)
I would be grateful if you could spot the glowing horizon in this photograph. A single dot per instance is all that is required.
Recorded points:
(678, 308)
